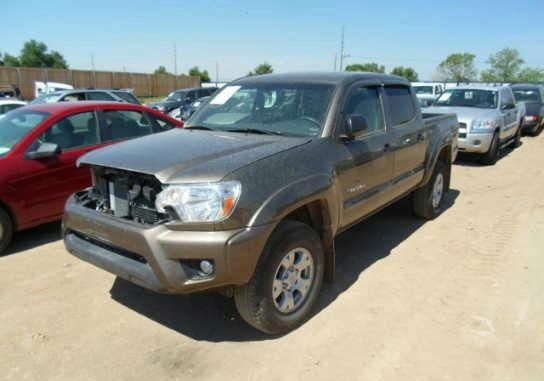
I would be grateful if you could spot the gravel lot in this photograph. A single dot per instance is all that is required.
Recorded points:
(458, 298)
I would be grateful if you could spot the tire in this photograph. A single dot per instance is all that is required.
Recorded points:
(491, 157)
(6, 230)
(428, 201)
(255, 301)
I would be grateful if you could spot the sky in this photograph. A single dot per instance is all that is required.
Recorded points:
(236, 36)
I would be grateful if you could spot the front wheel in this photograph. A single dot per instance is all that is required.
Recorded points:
(286, 282)
(427, 201)
(491, 157)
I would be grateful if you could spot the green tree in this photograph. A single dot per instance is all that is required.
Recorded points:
(406, 72)
(161, 70)
(505, 65)
(35, 54)
(264, 68)
(531, 74)
(372, 67)
(204, 76)
(458, 67)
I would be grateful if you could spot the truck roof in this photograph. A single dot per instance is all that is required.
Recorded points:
(333, 78)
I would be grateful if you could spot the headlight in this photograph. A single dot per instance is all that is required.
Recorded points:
(484, 124)
(209, 202)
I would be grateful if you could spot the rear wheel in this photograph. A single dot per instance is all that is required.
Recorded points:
(6, 230)
(427, 202)
(286, 282)
(490, 158)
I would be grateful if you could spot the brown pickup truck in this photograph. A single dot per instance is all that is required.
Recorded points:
(248, 198)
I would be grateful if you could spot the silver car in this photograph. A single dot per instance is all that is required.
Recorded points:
(489, 118)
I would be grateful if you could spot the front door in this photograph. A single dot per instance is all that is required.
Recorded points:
(366, 182)
(50, 181)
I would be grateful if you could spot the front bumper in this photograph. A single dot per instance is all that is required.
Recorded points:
(530, 125)
(476, 143)
(158, 257)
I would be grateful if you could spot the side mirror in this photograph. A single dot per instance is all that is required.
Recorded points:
(355, 126)
(44, 150)
(507, 106)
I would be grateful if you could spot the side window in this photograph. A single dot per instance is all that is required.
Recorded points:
(124, 124)
(163, 124)
(507, 99)
(7, 108)
(365, 101)
(192, 95)
(99, 96)
(77, 130)
(401, 105)
(73, 97)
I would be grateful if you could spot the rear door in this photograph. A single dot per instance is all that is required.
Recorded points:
(366, 184)
(409, 138)
(46, 183)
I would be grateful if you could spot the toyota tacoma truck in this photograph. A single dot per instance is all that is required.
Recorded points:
(248, 198)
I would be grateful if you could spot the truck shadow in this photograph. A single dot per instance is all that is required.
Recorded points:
(212, 317)
(34, 237)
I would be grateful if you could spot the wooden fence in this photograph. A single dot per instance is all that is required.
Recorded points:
(144, 85)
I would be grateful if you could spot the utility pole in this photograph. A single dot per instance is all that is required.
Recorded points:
(92, 61)
(216, 72)
(342, 53)
(175, 59)
(335, 59)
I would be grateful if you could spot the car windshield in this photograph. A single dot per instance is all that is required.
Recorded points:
(176, 96)
(423, 89)
(283, 109)
(15, 125)
(47, 98)
(468, 98)
(527, 95)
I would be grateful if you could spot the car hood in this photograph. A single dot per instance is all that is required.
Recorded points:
(190, 155)
(465, 114)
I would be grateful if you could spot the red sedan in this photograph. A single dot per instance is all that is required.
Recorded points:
(39, 147)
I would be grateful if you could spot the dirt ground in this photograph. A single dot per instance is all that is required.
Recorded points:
(458, 298)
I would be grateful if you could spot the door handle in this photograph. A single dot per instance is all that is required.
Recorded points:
(386, 147)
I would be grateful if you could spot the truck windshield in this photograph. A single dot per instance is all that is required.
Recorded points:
(283, 109)
(527, 95)
(15, 125)
(468, 98)
(423, 89)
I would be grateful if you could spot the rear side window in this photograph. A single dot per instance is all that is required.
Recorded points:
(99, 96)
(124, 124)
(127, 97)
(73, 97)
(401, 105)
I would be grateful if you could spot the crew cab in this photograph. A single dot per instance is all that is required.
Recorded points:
(39, 146)
(489, 118)
(248, 198)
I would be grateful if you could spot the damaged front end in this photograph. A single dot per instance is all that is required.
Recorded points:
(124, 194)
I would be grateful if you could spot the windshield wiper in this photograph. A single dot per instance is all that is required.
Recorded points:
(204, 128)
(254, 131)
